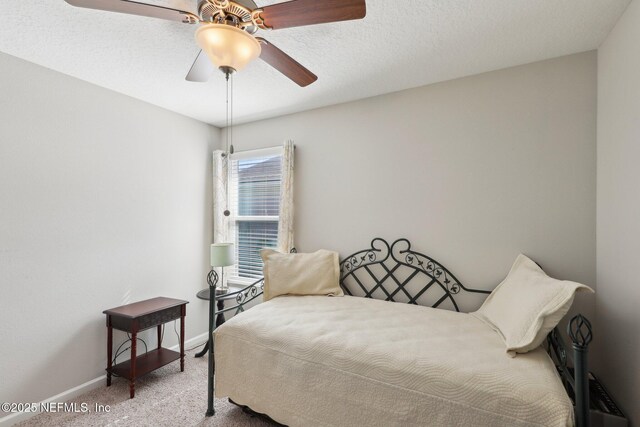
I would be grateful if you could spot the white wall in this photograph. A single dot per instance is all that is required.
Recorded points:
(473, 171)
(618, 314)
(105, 200)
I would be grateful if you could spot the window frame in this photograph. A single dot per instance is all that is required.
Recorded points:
(233, 220)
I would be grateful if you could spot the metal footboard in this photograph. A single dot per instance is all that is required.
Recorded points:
(576, 379)
(242, 297)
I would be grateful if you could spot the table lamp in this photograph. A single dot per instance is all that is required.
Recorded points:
(222, 255)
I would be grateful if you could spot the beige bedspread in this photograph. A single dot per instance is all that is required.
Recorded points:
(350, 361)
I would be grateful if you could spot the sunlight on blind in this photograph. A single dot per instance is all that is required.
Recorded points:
(254, 195)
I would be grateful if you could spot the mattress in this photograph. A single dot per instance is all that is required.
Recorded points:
(351, 361)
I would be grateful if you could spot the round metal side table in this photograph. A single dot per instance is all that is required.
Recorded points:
(220, 299)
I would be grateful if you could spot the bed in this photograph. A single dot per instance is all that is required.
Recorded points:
(361, 360)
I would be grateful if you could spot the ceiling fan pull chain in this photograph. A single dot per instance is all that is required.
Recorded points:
(231, 118)
(227, 74)
(227, 148)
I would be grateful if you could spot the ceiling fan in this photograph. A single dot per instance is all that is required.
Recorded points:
(226, 34)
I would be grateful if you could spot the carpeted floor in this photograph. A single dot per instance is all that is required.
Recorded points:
(166, 397)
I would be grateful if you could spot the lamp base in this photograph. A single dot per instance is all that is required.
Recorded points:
(221, 291)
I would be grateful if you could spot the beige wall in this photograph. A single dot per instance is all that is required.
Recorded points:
(104, 200)
(618, 315)
(473, 171)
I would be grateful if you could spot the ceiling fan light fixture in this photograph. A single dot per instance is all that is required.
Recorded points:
(226, 46)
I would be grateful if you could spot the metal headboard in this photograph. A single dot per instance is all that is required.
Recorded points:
(377, 273)
(400, 274)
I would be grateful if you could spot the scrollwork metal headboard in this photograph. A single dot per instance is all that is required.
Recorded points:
(377, 273)
(400, 274)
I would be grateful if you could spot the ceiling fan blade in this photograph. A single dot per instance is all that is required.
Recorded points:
(249, 4)
(201, 70)
(308, 12)
(137, 8)
(285, 64)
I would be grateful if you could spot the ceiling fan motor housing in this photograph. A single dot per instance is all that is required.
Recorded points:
(213, 10)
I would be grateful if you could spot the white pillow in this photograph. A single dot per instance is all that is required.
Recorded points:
(527, 305)
(317, 273)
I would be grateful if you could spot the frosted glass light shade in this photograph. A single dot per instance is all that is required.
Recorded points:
(222, 255)
(227, 46)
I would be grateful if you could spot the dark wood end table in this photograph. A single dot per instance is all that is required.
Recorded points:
(137, 317)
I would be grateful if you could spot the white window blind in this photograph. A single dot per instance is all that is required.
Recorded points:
(254, 196)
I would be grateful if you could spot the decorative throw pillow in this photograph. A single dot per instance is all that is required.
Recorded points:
(527, 305)
(317, 273)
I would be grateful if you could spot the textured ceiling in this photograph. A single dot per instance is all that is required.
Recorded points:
(399, 45)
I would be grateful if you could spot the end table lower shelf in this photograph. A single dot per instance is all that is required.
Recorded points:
(145, 363)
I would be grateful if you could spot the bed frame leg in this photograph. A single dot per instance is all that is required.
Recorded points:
(579, 329)
(212, 280)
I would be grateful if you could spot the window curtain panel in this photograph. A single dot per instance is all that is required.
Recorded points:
(220, 177)
(285, 225)
(220, 203)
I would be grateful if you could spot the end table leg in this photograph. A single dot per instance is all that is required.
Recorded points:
(182, 341)
(159, 336)
(132, 380)
(109, 350)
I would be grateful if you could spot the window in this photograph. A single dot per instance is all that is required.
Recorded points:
(254, 200)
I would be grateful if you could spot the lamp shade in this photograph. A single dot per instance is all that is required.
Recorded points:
(222, 255)
(227, 46)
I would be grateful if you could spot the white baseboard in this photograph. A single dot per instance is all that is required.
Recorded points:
(86, 387)
(193, 342)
